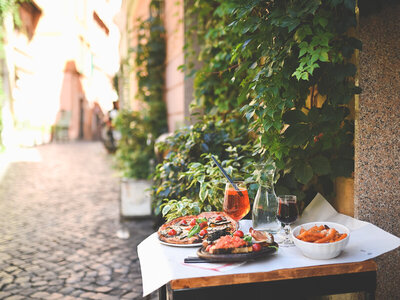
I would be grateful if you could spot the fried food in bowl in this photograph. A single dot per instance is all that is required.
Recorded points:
(321, 240)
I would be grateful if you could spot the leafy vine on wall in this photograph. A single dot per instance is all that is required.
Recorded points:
(293, 49)
(282, 69)
(139, 129)
(150, 69)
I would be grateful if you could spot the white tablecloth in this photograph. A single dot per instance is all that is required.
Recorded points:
(161, 264)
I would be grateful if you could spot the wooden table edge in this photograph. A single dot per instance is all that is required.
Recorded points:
(281, 274)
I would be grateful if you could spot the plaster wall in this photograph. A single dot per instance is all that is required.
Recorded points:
(140, 12)
(377, 144)
(174, 79)
(174, 95)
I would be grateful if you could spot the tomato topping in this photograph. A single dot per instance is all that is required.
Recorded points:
(228, 241)
(203, 224)
(208, 248)
(239, 233)
(219, 218)
(172, 232)
(203, 232)
(193, 222)
(256, 247)
(184, 222)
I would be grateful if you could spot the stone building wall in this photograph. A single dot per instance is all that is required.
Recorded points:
(377, 144)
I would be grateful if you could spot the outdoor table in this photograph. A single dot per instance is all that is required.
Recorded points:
(279, 284)
(284, 274)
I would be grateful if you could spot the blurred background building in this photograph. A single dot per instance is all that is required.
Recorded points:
(58, 68)
(178, 89)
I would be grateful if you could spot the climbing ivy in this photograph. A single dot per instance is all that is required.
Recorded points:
(150, 70)
(299, 83)
(139, 129)
(284, 70)
(210, 44)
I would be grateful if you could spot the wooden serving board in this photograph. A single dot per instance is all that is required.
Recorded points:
(237, 257)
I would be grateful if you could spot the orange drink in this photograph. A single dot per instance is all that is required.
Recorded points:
(236, 203)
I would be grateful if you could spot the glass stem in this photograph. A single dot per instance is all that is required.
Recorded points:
(287, 228)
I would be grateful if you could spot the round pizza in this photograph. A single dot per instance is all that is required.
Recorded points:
(194, 229)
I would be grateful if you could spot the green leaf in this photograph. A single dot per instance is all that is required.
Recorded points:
(247, 238)
(324, 56)
(320, 165)
(293, 24)
(303, 172)
(302, 32)
(282, 190)
(193, 231)
(201, 220)
(166, 209)
(294, 116)
(250, 114)
(297, 134)
(323, 21)
(302, 52)
(304, 76)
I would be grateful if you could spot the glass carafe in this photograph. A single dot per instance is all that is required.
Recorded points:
(265, 207)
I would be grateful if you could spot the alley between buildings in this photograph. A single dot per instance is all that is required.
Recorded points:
(58, 221)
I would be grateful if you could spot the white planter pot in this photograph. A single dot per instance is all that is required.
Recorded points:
(135, 197)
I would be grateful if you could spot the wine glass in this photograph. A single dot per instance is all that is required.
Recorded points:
(236, 203)
(287, 214)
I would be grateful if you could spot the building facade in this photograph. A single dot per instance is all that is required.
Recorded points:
(59, 66)
(178, 89)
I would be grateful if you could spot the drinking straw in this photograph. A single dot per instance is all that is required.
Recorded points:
(227, 176)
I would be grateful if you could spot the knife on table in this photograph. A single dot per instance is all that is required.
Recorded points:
(195, 259)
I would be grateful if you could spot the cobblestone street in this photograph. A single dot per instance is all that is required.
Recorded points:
(58, 222)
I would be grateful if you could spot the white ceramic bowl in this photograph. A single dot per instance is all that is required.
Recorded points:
(323, 250)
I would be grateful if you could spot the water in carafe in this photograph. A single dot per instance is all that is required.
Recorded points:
(265, 209)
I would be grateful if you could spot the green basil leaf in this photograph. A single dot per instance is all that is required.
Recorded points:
(194, 230)
(248, 238)
(201, 220)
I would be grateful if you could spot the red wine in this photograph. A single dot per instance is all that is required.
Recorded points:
(287, 212)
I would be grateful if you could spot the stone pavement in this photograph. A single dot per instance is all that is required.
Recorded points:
(58, 219)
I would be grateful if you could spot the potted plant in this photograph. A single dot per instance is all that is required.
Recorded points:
(139, 129)
(133, 159)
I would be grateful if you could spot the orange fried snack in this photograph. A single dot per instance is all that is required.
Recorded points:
(328, 237)
(340, 237)
(320, 234)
